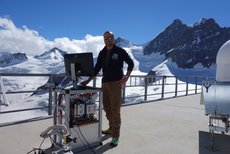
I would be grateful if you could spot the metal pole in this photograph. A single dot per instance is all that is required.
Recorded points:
(50, 96)
(196, 81)
(163, 87)
(100, 114)
(55, 113)
(176, 86)
(94, 82)
(146, 88)
(55, 108)
(186, 85)
(123, 95)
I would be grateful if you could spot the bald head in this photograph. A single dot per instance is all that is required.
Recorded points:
(108, 32)
(109, 39)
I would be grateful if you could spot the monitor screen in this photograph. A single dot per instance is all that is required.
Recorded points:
(81, 63)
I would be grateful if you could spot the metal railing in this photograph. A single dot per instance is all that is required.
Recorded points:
(11, 92)
(147, 88)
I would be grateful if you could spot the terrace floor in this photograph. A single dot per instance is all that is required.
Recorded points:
(171, 126)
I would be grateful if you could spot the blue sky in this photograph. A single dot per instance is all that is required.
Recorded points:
(135, 20)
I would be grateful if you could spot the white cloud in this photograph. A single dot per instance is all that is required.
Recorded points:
(89, 44)
(15, 39)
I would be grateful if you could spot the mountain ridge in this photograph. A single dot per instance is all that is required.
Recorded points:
(7, 59)
(185, 47)
(190, 45)
(52, 53)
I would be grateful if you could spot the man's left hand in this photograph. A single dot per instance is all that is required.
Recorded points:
(123, 80)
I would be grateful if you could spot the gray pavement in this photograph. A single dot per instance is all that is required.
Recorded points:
(172, 126)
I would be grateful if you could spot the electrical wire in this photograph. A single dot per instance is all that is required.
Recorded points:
(39, 150)
(41, 143)
(67, 118)
(86, 141)
(81, 134)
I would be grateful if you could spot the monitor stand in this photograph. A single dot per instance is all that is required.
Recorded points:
(74, 76)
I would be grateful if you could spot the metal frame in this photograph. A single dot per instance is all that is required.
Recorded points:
(216, 101)
(218, 123)
(94, 128)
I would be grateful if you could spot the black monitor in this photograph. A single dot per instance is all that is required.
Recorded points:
(79, 64)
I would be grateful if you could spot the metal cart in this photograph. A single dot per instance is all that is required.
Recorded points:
(79, 109)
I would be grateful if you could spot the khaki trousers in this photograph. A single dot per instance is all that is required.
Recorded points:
(112, 105)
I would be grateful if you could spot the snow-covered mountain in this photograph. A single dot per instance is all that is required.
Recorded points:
(184, 50)
(192, 46)
(123, 43)
(46, 63)
(52, 61)
(54, 53)
(7, 59)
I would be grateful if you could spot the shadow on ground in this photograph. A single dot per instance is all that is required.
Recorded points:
(99, 149)
(221, 144)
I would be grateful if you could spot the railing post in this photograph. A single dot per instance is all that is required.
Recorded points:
(55, 108)
(186, 85)
(163, 87)
(123, 95)
(196, 82)
(94, 82)
(50, 95)
(176, 86)
(146, 87)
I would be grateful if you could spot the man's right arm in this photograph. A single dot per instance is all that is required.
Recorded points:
(84, 83)
(97, 68)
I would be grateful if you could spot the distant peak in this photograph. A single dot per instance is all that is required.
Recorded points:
(205, 21)
(54, 49)
(209, 20)
(121, 42)
(176, 25)
(177, 22)
(119, 38)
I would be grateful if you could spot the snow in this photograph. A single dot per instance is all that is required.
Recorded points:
(53, 63)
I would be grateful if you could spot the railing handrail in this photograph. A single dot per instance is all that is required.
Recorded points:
(26, 74)
(63, 74)
(144, 83)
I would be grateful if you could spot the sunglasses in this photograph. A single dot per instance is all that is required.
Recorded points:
(108, 38)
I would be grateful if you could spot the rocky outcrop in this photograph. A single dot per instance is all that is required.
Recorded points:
(190, 45)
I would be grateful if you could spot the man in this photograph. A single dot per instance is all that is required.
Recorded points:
(110, 60)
